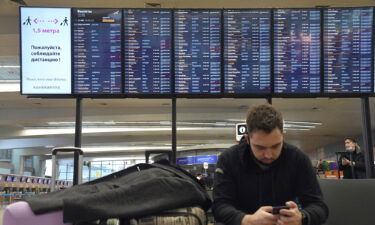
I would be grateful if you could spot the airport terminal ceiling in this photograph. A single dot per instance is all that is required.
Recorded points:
(130, 125)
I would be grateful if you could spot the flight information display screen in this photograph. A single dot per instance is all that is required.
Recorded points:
(45, 50)
(197, 51)
(147, 53)
(347, 50)
(97, 51)
(247, 51)
(297, 50)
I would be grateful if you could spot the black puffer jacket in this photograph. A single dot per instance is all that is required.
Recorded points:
(242, 187)
(138, 191)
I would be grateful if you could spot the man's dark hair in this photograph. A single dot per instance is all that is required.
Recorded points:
(351, 139)
(264, 117)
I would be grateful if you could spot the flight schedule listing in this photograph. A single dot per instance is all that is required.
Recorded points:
(147, 53)
(297, 50)
(197, 51)
(347, 52)
(247, 53)
(97, 51)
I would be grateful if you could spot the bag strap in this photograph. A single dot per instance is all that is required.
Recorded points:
(187, 214)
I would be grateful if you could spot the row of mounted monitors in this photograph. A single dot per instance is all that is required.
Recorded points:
(72, 51)
(32, 180)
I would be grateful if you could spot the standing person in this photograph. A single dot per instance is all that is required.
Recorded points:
(354, 160)
(263, 171)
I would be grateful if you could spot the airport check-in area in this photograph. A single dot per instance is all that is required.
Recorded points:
(114, 133)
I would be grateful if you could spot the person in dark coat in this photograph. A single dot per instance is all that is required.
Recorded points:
(353, 160)
(263, 171)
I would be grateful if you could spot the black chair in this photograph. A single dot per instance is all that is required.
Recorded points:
(350, 202)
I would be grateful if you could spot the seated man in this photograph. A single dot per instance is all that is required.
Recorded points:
(263, 171)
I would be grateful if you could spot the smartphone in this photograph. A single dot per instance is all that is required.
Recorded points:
(276, 209)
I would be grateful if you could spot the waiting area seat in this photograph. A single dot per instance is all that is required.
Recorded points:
(350, 202)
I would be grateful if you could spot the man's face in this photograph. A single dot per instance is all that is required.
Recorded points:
(349, 144)
(266, 147)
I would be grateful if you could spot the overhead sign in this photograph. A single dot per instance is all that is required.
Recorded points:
(189, 160)
(200, 159)
(45, 50)
(206, 158)
(241, 129)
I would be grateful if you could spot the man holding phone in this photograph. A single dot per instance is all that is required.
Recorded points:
(353, 162)
(265, 181)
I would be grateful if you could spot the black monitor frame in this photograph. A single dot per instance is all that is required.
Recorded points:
(250, 94)
(150, 95)
(339, 94)
(222, 94)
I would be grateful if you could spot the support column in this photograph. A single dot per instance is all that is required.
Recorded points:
(21, 168)
(367, 137)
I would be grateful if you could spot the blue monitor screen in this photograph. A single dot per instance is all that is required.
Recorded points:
(297, 50)
(148, 49)
(347, 50)
(197, 51)
(247, 51)
(97, 51)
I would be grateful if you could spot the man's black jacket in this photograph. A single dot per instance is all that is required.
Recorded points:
(138, 191)
(359, 168)
(242, 187)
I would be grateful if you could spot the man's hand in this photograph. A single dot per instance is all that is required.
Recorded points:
(290, 216)
(345, 162)
(263, 216)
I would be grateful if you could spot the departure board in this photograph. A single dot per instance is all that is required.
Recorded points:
(347, 50)
(97, 51)
(247, 51)
(297, 50)
(147, 53)
(197, 51)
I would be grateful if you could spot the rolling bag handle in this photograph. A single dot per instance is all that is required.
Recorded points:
(78, 162)
(149, 152)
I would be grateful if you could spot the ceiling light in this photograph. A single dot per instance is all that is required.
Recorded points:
(9, 87)
(116, 158)
(92, 130)
(9, 66)
(302, 122)
(123, 148)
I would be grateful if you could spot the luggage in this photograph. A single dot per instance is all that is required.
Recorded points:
(144, 177)
(182, 216)
(20, 213)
